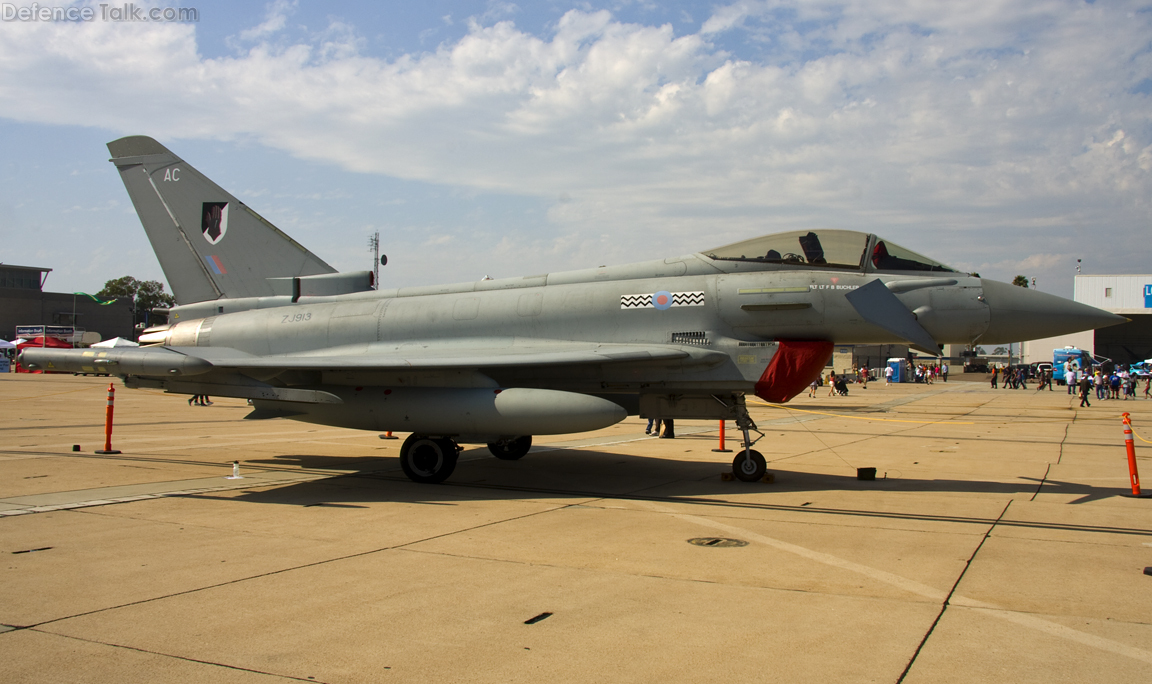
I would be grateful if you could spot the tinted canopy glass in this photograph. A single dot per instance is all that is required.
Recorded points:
(825, 248)
(887, 256)
(844, 249)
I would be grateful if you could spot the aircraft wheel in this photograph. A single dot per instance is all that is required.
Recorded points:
(749, 469)
(428, 460)
(511, 449)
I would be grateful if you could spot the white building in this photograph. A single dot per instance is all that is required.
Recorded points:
(1119, 294)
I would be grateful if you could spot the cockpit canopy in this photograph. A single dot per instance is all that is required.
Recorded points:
(833, 249)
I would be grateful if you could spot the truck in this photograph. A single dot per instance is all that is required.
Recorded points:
(1079, 358)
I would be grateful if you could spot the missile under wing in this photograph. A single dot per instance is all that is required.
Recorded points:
(498, 361)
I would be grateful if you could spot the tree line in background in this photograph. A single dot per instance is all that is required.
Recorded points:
(146, 295)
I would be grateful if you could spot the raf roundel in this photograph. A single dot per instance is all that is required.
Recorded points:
(662, 300)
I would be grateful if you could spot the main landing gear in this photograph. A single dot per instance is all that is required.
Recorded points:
(511, 449)
(428, 460)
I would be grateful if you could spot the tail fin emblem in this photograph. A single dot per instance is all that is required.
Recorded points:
(215, 221)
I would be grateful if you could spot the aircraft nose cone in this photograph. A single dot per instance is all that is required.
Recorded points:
(1017, 314)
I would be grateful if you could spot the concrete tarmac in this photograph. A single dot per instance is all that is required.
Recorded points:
(999, 543)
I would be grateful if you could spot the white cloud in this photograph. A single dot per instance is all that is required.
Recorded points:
(905, 116)
(731, 16)
(275, 19)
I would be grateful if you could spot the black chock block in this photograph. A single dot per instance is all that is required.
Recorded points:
(865, 473)
(1148, 571)
(75, 447)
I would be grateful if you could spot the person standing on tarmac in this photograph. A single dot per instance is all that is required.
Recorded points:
(1085, 390)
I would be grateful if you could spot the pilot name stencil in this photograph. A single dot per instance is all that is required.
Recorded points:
(661, 300)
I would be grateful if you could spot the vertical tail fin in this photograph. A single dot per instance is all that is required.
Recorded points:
(210, 245)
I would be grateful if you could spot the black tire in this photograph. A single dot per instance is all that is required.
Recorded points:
(511, 449)
(427, 460)
(749, 470)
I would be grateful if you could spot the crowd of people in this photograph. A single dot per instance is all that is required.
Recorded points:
(926, 373)
(1017, 377)
(837, 384)
(1117, 384)
(1104, 382)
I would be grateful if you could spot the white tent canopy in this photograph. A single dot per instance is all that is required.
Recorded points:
(5, 344)
(116, 342)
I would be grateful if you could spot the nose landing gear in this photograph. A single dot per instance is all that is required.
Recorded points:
(749, 465)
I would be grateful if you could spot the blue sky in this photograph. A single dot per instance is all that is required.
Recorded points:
(491, 138)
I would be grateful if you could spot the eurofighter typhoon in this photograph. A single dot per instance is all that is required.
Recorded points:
(495, 362)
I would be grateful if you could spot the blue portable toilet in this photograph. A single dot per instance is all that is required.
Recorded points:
(899, 369)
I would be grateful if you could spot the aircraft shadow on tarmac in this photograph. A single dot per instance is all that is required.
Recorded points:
(588, 473)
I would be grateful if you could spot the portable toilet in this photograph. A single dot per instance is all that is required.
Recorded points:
(899, 369)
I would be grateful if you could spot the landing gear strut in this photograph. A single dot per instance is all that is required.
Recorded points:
(428, 460)
(749, 465)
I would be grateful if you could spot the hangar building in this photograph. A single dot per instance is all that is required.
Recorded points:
(23, 301)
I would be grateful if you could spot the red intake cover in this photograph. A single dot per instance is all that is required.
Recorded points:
(796, 364)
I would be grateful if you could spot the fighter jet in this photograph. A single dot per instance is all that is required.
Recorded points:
(496, 362)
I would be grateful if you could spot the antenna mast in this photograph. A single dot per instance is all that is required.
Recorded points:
(374, 246)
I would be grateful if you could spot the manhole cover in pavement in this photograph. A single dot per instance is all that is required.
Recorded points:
(717, 542)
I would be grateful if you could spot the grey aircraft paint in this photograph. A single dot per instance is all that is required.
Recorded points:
(496, 361)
